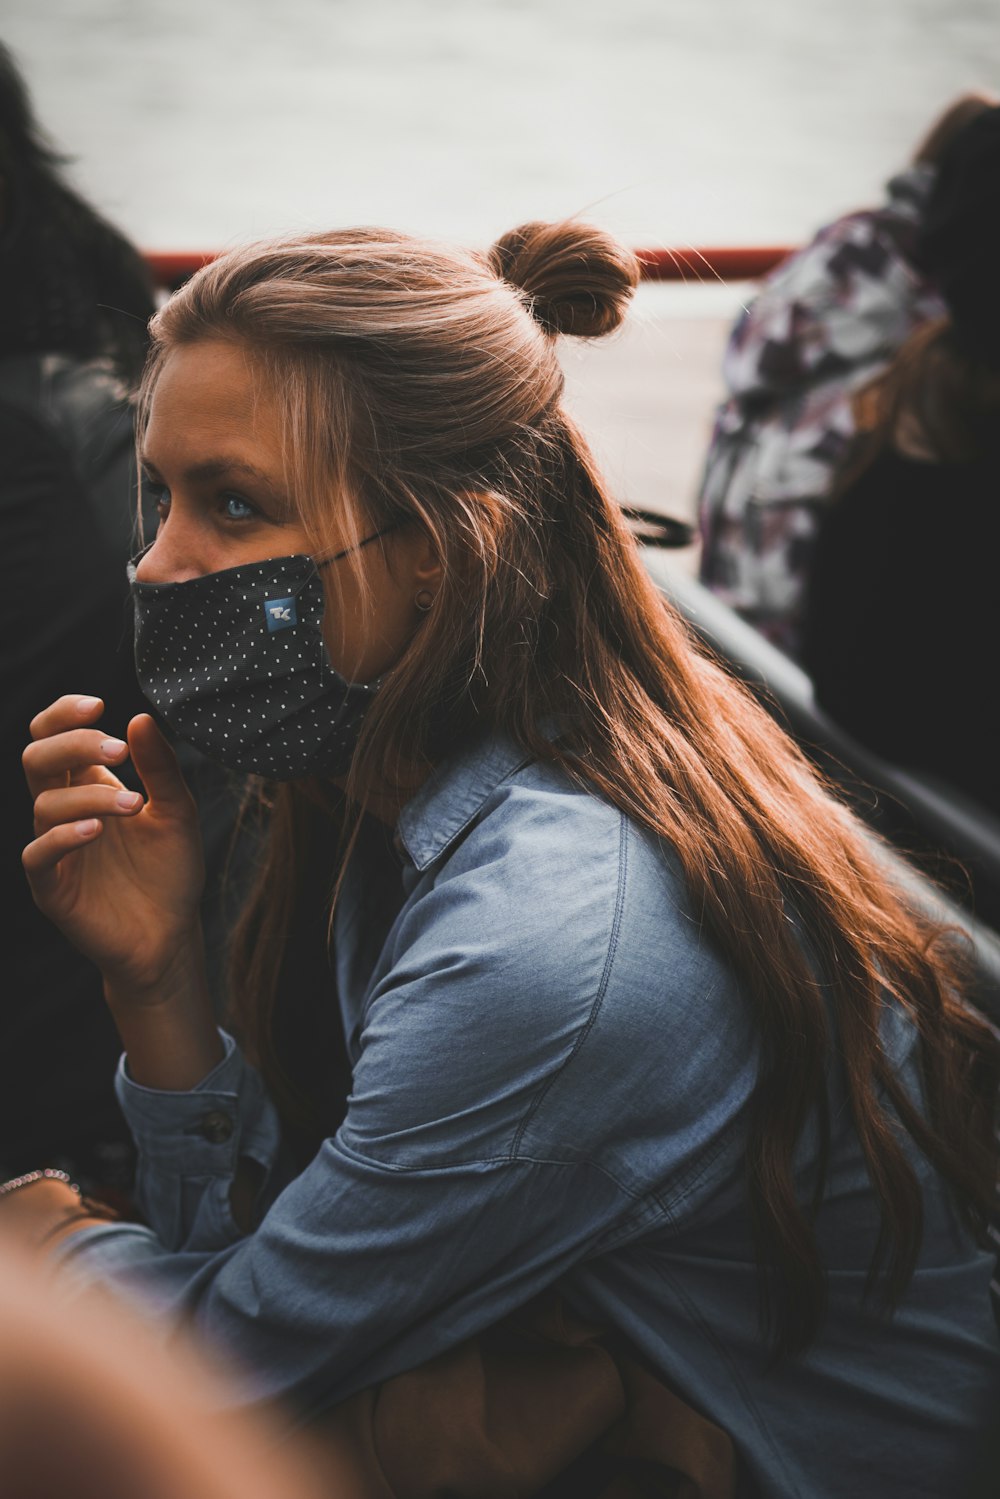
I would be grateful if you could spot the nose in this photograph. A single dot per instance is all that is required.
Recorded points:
(174, 555)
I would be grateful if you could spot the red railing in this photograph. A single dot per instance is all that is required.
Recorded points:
(712, 263)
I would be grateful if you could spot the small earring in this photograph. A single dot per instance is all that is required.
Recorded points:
(424, 600)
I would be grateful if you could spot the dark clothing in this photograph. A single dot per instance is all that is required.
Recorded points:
(68, 527)
(903, 617)
(66, 496)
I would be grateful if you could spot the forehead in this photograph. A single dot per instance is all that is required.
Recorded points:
(212, 393)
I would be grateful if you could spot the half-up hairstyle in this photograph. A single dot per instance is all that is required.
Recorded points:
(421, 383)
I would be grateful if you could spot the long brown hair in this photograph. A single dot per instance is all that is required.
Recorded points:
(934, 400)
(421, 382)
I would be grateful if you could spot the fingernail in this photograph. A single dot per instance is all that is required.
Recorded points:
(128, 799)
(87, 828)
(112, 747)
(87, 704)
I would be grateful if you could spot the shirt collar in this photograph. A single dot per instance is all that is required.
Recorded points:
(456, 790)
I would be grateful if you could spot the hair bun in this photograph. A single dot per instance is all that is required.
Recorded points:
(578, 279)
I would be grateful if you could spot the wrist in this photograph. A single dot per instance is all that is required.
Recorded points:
(42, 1208)
(46, 1176)
(167, 1026)
(175, 980)
(33, 1205)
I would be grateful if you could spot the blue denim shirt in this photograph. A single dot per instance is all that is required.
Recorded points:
(551, 1070)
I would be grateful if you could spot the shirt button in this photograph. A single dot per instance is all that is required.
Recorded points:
(216, 1127)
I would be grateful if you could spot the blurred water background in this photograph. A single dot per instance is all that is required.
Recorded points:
(201, 123)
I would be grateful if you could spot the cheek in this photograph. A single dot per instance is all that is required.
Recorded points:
(365, 636)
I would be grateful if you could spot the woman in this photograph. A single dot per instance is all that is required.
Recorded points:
(902, 608)
(626, 1000)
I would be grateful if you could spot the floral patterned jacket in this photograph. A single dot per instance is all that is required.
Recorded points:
(826, 320)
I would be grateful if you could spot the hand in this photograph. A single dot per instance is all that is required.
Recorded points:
(120, 876)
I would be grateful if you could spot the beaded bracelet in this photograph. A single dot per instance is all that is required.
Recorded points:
(47, 1175)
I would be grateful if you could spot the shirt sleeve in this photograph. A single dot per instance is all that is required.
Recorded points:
(190, 1145)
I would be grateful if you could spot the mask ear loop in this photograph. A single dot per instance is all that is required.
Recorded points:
(134, 561)
(392, 526)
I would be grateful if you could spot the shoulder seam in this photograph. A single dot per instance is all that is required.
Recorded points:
(595, 1008)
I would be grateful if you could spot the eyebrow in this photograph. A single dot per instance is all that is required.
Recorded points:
(217, 468)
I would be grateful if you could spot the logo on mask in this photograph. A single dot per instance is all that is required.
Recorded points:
(280, 614)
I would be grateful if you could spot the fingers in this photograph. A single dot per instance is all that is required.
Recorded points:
(65, 754)
(41, 858)
(65, 713)
(76, 754)
(64, 749)
(157, 766)
(70, 804)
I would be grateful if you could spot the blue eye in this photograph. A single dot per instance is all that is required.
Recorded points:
(234, 507)
(159, 494)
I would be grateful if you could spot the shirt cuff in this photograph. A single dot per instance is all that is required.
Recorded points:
(204, 1131)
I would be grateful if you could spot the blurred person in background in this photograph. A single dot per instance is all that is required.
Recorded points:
(75, 299)
(902, 623)
(824, 322)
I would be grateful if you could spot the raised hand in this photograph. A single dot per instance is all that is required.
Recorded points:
(121, 876)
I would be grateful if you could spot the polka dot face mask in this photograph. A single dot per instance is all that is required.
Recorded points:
(236, 664)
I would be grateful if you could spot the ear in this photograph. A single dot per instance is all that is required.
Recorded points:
(426, 567)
